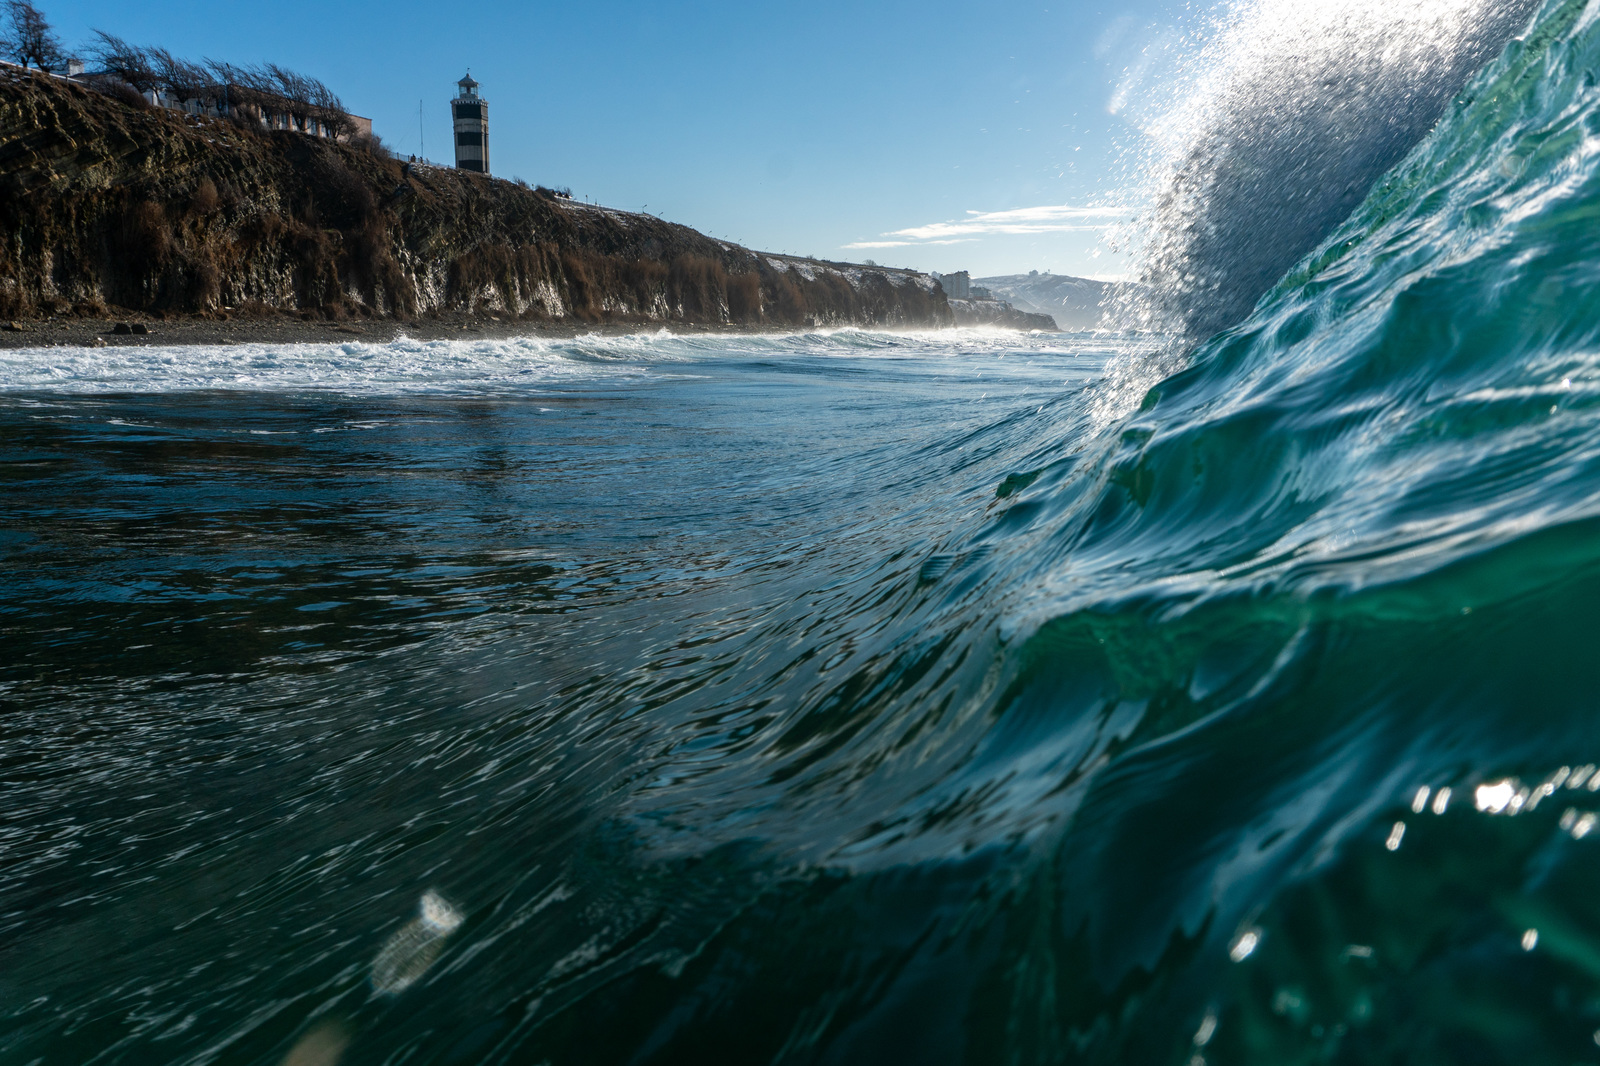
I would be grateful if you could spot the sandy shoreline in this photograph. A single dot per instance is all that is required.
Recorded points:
(286, 329)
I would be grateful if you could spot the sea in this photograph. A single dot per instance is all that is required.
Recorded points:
(841, 697)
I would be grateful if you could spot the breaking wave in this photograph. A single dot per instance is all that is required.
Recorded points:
(862, 698)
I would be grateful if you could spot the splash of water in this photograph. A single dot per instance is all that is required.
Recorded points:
(1277, 131)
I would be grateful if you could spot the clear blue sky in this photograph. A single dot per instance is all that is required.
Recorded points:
(824, 128)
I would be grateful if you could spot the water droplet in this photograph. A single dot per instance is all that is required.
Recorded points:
(414, 947)
(1396, 835)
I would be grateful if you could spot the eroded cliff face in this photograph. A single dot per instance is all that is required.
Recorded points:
(999, 313)
(104, 205)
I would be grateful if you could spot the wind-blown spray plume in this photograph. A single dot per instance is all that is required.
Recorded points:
(1294, 109)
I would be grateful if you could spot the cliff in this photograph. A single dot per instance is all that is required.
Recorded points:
(110, 205)
(998, 313)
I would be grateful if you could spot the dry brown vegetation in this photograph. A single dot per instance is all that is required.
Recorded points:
(148, 210)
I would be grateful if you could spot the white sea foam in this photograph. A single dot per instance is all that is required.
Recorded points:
(406, 366)
(403, 365)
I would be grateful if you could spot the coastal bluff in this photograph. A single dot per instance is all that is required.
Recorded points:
(112, 207)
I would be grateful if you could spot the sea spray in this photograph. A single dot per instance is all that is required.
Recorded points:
(1272, 135)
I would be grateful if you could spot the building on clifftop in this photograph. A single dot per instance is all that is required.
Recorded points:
(957, 286)
(471, 115)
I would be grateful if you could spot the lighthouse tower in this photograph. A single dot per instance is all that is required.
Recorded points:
(471, 114)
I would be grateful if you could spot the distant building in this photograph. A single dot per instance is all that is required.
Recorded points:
(471, 114)
(271, 113)
(957, 286)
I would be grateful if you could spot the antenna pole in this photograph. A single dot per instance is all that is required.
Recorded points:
(422, 136)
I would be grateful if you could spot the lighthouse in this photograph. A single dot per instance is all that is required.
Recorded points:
(471, 114)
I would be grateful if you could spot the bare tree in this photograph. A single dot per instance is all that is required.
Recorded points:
(251, 92)
(128, 62)
(248, 92)
(240, 91)
(251, 83)
(295, 90)
(330, 111)
(224, 79)
(184, 80)
(29, 38)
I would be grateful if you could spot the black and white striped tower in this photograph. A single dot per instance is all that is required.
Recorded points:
(471, 114)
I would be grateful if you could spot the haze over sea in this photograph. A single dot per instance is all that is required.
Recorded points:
(850, 697)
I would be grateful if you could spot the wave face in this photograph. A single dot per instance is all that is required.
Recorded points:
(844, 697)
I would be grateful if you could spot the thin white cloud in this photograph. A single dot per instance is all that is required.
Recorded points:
(1023, 220)
(907, 244)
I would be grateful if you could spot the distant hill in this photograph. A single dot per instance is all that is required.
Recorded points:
(1073, 302)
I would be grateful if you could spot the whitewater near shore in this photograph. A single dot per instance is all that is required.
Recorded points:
(92, 332)
(457, 361)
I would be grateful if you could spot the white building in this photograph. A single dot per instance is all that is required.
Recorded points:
(957, 286)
